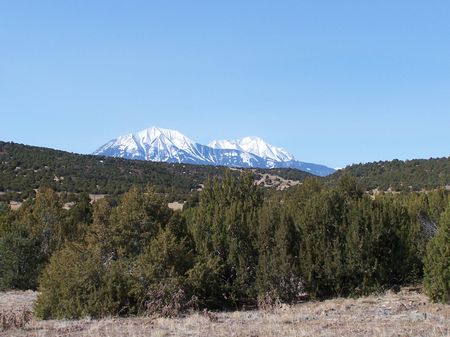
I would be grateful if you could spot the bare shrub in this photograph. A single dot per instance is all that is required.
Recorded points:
(269, 301)
(292, 288)
(289, 290)
(15, 318)
(164, 302)
(213, 317)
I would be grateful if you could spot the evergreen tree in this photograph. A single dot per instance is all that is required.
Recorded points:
(160, 273)
(28, 238)
(79, 218)
(277, 273)
(99, 236)
(136, 220)
(77, 284)
(224, 229)
(70, 285)
(437, 262)
(321, 255)
(21, 259)
(45, 217)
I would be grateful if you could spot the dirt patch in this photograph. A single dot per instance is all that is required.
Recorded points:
(277, 182)
(14, 205)
(176, 206)
(96, 197)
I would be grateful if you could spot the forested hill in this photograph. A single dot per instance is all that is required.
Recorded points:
(24, 168)
(400, 175)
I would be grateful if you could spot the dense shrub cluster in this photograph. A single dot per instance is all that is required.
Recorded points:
(233, 247)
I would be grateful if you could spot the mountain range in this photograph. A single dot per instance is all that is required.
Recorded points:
(171, 146)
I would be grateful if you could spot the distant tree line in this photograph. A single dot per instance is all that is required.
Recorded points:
(398, 175)
(24, 168)
(232, 247)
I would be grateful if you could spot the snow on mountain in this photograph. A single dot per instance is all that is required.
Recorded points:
(256, 146)
(164, 145)
(155, 144)
(224, 144)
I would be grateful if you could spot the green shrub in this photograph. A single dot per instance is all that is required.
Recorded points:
(70, 285)
(21, 260)
(437, 263)
(159, 276)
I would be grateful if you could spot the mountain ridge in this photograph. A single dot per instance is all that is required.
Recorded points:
(166, 145)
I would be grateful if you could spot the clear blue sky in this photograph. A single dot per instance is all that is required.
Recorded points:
(334, 82)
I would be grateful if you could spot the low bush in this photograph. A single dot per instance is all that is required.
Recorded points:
(15, 319)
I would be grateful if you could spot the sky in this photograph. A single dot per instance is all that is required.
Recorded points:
(333, 82)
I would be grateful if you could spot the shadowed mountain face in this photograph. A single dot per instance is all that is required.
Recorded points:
(163, 145)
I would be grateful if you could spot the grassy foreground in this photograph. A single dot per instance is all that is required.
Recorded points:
(407, 313)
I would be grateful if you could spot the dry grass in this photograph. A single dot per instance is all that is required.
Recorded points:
(407, 313)
(14, 319)
(16, 309)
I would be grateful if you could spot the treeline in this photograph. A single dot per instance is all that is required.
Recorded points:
(231, 248)
(398, 175)
(25, 168)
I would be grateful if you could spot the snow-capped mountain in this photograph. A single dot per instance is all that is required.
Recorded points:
(153, 144)
(164, 145)
(256, 146)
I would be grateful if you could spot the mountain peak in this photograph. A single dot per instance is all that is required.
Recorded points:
(255, 145)
(154, 143)
(174, 137)
(166, 145)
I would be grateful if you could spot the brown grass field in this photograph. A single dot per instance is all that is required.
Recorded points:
(404, 314)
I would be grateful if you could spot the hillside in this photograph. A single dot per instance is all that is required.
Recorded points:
(400, 175)
(24, 168)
